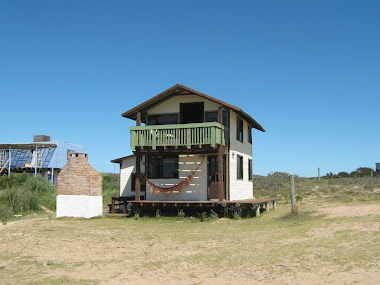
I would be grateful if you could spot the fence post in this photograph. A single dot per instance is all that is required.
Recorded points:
(319, 174)
(293, 195)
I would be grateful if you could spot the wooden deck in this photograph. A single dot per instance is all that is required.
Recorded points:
(150, 205)
(182, 204)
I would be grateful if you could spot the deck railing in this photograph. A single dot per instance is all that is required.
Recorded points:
(179, 135)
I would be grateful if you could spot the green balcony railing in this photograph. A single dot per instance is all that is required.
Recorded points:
(179, 135)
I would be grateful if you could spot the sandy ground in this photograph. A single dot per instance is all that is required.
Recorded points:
(97, 257)
(351, 211)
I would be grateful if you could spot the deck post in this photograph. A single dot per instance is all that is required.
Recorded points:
(9, 161)
(267, 207)
(220, 173)
(293, 196)
(35, 162)
(258, 211)
(113, 205)
(137, 182)
(274, 205)
(137, 154)
(138, 119)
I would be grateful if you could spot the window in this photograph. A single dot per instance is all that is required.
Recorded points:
(250, 169)
(250, 134)
(142, 183)
(162, 166)
(192, 112)
(163, 119)
(239, 129)
(212, 116)
(239, 167)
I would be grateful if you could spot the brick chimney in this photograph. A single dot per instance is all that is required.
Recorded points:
(78, 177)
(79, 192)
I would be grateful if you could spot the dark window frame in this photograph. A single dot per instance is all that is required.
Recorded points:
(249, 134)
(224, 117)
(163, 114)
(240, 167)
(158, 171)
(250, 172)
(239, 129)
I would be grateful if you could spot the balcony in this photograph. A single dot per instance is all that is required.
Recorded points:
(186, 135)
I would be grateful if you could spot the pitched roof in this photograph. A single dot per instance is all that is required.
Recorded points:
(179, 89)
(119, 160)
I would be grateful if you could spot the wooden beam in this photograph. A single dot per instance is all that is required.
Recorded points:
(220, 173)
(220, 115)
(138, 119)
(137, 182)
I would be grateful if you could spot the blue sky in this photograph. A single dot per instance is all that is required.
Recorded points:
(307, 71)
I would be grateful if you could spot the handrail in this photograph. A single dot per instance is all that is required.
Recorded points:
(179, 135)
(179, 126)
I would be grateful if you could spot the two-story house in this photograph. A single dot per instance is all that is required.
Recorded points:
(188, 137)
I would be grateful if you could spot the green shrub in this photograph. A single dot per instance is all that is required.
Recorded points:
(158, 215)
(111, 186)
(203, 217)
(24, 192)
(5, 214)
(181, 214)
(213, 215)
(235, 215)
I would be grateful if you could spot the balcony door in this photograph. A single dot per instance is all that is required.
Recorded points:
(192, 112)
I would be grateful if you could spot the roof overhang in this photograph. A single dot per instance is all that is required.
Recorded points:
(119, 160)
(179, 89)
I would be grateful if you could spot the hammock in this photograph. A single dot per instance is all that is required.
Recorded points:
(154, 189)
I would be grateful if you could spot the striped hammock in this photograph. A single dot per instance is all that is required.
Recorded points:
(154, 189)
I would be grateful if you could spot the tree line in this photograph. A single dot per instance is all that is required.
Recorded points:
(360, 172)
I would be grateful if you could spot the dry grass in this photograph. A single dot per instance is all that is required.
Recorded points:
(330, 241)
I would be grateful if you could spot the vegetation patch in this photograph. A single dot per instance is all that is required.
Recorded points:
(25, 193)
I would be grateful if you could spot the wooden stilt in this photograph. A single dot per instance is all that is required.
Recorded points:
(220, 174)
(137, 182)
(258, 211)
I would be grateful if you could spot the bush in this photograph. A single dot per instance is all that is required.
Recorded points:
(181, 214)
(5, 214)
(111, 186)
(24, 192)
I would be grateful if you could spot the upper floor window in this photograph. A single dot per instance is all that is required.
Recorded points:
(250, 169)
(239, 129)
(212, 116)
(162, 166)
(249, 134)
(163, 119)
(239, 167)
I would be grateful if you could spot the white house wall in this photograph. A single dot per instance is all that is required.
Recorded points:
(172, 105)
(196, 191)
(242, 188)
(126, 170)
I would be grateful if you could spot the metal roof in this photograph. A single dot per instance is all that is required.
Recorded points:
(179, 89)
(29, 145)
